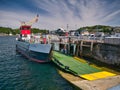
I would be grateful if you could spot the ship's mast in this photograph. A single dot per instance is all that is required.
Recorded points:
(67, 27)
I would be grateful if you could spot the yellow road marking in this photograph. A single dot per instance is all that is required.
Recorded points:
(98, 75)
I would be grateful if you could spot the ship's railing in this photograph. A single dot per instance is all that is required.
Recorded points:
(112, 40)
(73, 39)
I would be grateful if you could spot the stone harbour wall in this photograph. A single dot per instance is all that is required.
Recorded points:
(106, 53)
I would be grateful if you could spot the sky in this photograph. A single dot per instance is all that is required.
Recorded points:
(54, 14)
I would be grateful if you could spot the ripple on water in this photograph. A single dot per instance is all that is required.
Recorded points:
(18, 73)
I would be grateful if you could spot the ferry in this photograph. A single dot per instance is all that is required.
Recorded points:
(31, 46)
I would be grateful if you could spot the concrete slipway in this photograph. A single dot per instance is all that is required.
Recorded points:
(94, 77)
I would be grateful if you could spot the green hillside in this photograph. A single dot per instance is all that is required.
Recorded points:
(97, 28)
(7, 30)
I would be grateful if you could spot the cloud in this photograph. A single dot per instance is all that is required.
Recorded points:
(59, 13)
(13, 19)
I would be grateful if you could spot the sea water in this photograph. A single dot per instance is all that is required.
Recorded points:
(19, 73)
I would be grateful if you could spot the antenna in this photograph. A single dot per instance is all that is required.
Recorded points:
(67, 27)
(75, 26)
(37, 15)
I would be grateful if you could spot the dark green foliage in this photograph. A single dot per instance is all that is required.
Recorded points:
(7, 30)
(96, 28)
(36, 30)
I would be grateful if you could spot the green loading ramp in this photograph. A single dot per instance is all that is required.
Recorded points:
(72, 65)
(78, 68)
